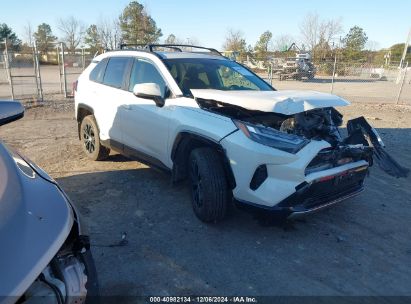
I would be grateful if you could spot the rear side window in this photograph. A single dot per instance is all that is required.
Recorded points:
(98, 72)
(116, 69)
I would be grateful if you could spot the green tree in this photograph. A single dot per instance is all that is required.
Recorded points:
(354, 43)
(262, 46)
(93, 39)
(137, 26)
(44, 38)
(7, 33)
(397, 50)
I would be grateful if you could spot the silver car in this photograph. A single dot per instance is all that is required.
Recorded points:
(45, 252)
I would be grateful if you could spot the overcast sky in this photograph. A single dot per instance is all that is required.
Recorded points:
(385, 22)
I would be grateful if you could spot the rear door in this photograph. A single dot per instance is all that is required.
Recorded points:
(144, 125)
(111, 94)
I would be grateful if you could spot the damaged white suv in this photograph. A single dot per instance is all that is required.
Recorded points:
(193, 112)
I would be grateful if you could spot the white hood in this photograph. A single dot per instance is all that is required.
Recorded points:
(287, 102)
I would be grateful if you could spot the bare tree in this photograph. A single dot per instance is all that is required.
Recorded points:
(309, 29)
(109, 33)
(318, 34)
(193, 41)
(234, 41)
(173, 39)
(283, 42)
(330, 29)
(28, 33)
(73, 31)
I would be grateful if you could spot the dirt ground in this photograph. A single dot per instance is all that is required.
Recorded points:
(359, 247)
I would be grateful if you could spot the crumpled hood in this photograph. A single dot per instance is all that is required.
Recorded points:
(286, 102)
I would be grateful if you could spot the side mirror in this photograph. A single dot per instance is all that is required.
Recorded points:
(149, 91)
(10, 111)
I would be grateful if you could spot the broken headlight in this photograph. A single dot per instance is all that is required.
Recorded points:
(271, 137)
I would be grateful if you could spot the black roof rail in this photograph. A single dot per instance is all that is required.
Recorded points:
(134, 45)
(176, 47)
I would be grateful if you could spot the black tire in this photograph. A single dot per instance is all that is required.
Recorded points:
(93, 289)
(209, 188)
(90, 139)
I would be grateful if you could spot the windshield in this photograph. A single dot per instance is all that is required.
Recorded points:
(217, 74)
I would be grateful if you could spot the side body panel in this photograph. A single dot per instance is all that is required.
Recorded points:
(186, 116)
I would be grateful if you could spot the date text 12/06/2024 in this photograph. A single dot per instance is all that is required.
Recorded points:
(202, 299)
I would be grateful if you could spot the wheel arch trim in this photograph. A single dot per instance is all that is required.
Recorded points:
(186, 141)
(79, 118)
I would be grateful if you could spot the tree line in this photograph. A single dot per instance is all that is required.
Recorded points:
(323, 38)
(134, 26)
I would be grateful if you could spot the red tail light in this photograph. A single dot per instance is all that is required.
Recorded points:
(75, 83)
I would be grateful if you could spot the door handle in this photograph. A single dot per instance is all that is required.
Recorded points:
(126, 107)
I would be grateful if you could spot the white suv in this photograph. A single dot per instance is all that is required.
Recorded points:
(192, 112)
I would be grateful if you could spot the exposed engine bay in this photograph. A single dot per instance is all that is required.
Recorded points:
(361, 143)
(64, 280)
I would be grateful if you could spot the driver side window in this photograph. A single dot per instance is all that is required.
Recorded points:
(144, 71)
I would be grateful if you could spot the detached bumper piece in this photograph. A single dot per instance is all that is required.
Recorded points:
(359, 130)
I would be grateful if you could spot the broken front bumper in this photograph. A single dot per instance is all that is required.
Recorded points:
(318, 194)
(291, 185)
(325, 191)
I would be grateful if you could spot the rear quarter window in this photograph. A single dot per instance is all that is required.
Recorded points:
(97, 73)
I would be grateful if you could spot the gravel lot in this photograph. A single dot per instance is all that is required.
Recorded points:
(360, 247)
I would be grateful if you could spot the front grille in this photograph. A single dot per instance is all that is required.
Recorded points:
(321, 197)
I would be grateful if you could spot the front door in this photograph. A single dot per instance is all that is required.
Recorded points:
(144, 125)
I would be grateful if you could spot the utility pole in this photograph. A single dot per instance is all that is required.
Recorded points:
(63, 71)
(402, 83)
(8, 67)
(403, 57)
(405, 49)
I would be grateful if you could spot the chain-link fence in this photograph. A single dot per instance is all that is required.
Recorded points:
(71, 65)
(357, 82)
(20, 76)
(370, 83)
(27, 74)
